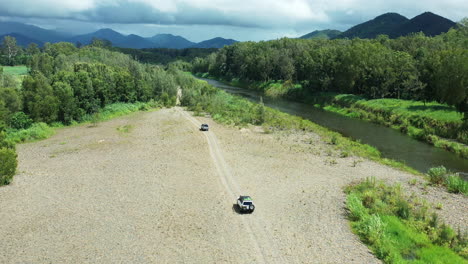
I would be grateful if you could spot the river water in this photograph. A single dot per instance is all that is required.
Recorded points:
(391, 143)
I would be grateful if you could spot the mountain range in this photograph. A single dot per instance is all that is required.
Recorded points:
(392, 24)
(26, 34)
(395, 25)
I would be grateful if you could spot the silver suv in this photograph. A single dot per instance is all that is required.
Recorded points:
(204, 127)
(245, 204)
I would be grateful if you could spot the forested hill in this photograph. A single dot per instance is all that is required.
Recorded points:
(322, 34)
(214, 43)
(428, 23)
(396, 25)
(170, 41)
(381, 25)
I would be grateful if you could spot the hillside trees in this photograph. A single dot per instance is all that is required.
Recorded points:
(67, 83)
(414, 67)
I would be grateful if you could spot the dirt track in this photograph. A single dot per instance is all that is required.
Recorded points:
(151, 188)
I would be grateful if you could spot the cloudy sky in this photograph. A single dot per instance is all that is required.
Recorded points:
(198, 20)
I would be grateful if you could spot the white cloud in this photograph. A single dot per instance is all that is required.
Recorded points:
(243, 13)
(283, 16)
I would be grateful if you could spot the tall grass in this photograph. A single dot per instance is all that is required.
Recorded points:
(452, 181)
(399, 229)
(36, 132)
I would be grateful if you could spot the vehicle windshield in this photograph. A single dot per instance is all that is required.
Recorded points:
(247, 203)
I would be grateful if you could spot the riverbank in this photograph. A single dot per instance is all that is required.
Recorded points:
(437, 124)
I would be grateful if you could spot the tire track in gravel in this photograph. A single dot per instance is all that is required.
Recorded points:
(259, 236)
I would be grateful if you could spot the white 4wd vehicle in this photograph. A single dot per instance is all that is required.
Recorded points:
(204, 127)
(245, 204)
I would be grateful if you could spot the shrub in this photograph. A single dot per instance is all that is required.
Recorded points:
(20, 120)
(372, 228)
(403, 209)
(35, 132)
(456, 184)
(8, 164)
(437, 175)
(356, 209)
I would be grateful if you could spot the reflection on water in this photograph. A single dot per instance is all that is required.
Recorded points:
(391, 143)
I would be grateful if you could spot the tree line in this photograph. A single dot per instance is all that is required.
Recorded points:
(414, 67)
(66, 84)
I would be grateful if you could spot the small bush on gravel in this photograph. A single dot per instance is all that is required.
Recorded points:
(437, 174)
(452, 181)
(8, 164)
(398, 229)
(456, 184)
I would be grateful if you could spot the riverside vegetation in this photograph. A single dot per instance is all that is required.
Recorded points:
(390, 81)
(402, 229)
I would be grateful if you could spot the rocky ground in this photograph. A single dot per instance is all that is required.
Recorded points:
(151, 188)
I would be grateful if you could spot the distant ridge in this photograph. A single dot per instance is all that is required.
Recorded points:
(170, 41)
(322, 34)
(383, 24)
(31, 32)
(22, 40)
(214, 43)
(117, 39)
(395, 25)
(428, 23)
(392, 24)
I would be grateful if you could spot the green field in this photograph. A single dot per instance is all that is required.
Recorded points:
(15, 70)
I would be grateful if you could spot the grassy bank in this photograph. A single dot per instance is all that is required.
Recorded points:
(401, 229)
(230, 109)
(437, 124)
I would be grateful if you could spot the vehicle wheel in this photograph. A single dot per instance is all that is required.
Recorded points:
(251, 208)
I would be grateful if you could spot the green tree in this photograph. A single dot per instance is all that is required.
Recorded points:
(32, 49)
(39, 100)
(67, 107)
(8, 164)
(451, 79)
(9, 48)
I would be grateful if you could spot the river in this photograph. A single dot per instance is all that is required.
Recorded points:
(391, 143)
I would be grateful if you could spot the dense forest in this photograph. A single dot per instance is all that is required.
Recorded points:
(414, 67)
(164, 56)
